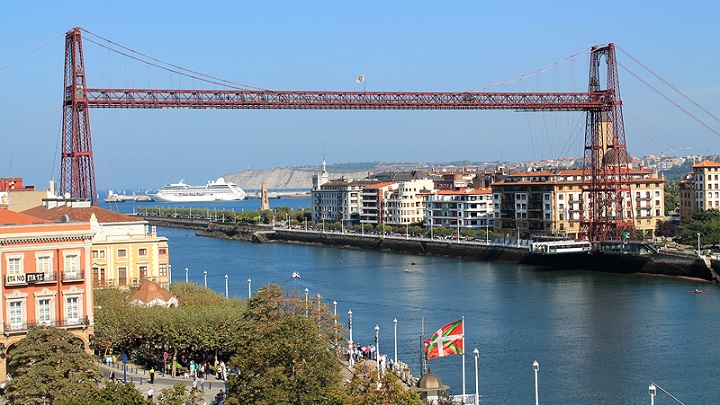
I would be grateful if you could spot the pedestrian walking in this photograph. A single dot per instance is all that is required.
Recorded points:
(150, 393)
(152, 375)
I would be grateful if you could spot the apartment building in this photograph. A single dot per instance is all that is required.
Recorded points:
(126, 250)
(338, 200)
(537, 203)
(706, 181)
(373, 208)
(406, 203)
(45, 278)
(464, 208)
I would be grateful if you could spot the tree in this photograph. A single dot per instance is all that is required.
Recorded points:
(363, 388)
(704, 222)
(50, 366)
(179, 394)
(285, 362)
(111, 394)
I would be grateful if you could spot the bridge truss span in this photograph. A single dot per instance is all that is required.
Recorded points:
(336, 100)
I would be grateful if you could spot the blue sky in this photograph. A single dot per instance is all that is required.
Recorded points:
(398, 46)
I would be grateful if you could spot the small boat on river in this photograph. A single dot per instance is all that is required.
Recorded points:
(696, 291)
(295, 275)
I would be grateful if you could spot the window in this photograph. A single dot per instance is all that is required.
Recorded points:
(143, 272)
(14, 266)
(102, 254)
(122, 253)
(43, 264)
(44, 315)
(16, 315)
(162, 251)
(72, 263)
(142, 252)
(72, 310)
(122, 275)
(95, 254)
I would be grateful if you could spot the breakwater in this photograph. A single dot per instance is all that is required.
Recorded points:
(666, 263)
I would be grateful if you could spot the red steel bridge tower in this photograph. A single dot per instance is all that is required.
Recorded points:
(605, 167)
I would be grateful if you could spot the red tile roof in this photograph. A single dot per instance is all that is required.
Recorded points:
(8, 217)
(706, 163)
(80, 214)
(149, 291)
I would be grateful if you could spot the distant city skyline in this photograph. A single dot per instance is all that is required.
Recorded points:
(418, 46)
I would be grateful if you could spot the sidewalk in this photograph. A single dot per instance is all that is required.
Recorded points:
(141, 378)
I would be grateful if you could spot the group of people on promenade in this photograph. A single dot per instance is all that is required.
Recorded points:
(357, 352)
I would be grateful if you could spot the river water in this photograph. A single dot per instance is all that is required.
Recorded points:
(599, 338)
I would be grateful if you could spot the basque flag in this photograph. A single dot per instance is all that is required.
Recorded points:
(448, 340)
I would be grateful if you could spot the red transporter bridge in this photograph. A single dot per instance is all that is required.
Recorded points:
(605, 165)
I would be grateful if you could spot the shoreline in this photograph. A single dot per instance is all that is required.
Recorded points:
(670, 264)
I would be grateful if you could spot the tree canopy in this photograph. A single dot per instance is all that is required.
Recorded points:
(49, 365)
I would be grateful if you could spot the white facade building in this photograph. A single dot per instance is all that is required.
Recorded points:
(465, 208)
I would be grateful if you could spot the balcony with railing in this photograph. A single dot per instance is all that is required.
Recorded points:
(70, 276)
(66, 323)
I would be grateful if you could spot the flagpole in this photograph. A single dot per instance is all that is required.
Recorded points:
(463, 357)
(422, 347)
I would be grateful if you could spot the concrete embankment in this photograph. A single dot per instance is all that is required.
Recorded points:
(662, 263)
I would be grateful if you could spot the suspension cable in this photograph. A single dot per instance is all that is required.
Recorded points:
(670, 85)
(30, 53)
(669, 100)
(190, 73)
(555, 65)
(29, 122)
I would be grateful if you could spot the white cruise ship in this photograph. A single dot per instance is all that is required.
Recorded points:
(218, 190)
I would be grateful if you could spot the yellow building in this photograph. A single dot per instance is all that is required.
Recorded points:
(126, 250)
(543, 203)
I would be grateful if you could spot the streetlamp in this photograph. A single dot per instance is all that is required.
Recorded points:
(306, 302)
(205, 278)
(486, 230)
(186, 274)
(536, 367)
(335, 312)
(350, 325)
(170, 272)
(377, 349)
(226, 287)
(395, 325)
(653, 391)
(249, 288)
(476, 353)
(698, 234)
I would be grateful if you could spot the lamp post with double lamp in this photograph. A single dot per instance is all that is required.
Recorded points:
(395, 353)
(335, 312)
(476, 353)
(249, 288)
(306, 302)
(377, 349)
(536, 368)
(226, 287)
(350, 325)
(205, 278)
(653, 392)
(698, 235)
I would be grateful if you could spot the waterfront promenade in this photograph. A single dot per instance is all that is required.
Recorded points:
(139, 376)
